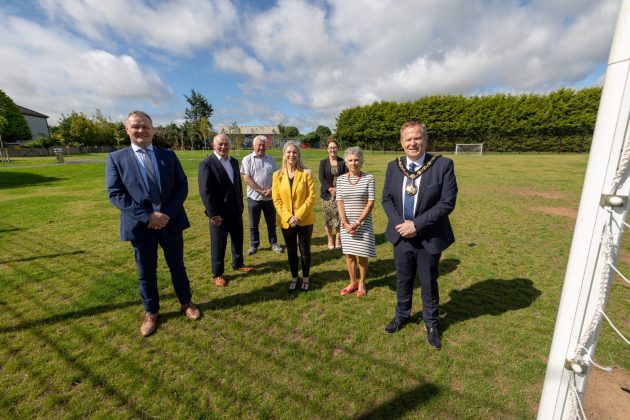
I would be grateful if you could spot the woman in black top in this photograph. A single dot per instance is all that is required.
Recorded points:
(329, 169)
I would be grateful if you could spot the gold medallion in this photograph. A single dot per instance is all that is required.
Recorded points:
(411, 189)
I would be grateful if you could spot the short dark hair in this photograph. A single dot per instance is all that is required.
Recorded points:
(331, 140)
(138, 113)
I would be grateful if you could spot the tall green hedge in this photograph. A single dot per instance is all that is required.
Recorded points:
(561, 121)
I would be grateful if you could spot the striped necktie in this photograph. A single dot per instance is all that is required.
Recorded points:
(154, 189)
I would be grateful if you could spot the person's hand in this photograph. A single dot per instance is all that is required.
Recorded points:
(158, 220)
(216, 220)
(332, 190)
(351, 228)
(266, 193)
(406, 229)
(294, 221)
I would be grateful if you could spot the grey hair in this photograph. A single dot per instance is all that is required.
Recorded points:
(354, 151)
(261, 138)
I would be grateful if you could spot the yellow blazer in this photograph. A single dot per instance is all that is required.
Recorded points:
(303, 197)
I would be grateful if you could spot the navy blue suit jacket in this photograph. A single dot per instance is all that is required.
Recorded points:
(436, 200)
(127, 191)
(220, 196)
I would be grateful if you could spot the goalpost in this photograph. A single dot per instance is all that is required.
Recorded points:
(469, 149)
(598, 232)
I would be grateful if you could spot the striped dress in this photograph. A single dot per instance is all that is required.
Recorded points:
(355, 198)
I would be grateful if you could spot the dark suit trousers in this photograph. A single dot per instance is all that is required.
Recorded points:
(218, 244)
(412, 259)
(146, 254)
(299, 236)
(254, 209)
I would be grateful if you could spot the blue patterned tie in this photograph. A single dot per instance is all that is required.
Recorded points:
(154, 189)
(408, 206)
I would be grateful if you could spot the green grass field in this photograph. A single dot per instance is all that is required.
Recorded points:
(70, 312)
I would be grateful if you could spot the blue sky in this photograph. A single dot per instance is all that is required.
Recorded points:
(293, 62)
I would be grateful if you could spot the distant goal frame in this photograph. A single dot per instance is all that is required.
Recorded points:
(469, 149)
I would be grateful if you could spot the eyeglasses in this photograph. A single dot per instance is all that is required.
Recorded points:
(332, 148)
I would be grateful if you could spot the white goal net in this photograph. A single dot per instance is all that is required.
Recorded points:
(474, 149)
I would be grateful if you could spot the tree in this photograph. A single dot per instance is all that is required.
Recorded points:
(16, 127)
(288, 132)
(75, 129)
(3, 123)
(198, 116)
(323, 132)
(234, 131)
(166, 136)
(107, 132)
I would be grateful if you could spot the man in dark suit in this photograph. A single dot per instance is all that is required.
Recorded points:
(149, 187)
(419, 193)
(222, 195)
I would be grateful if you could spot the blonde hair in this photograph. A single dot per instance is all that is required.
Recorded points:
(299, 164)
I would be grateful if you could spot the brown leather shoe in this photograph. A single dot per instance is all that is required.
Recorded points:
(220, 281)
(191, 310)
(149, 324)
(244, 269)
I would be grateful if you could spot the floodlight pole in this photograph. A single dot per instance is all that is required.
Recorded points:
(587, 269)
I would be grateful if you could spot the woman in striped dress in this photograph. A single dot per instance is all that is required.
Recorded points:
(355, 201)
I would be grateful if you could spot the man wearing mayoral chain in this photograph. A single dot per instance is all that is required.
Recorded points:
(419, 193)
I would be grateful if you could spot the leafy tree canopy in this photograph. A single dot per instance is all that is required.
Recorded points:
(15, 127)
(288, 132)
(198, 116)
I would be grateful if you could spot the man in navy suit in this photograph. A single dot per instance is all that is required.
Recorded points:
(418, 195)
(149, 187)
(222, 195)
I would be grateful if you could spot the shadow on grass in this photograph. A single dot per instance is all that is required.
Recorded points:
(7, 230)
(86, 372)
(37, 257)
(21, 179)
(487, 297)
(80, 313)
(402, 403)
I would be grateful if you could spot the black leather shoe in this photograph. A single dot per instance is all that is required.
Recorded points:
(395, 325)
(433, 336)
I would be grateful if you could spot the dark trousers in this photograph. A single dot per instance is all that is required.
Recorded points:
(254, 208)
(218, 244)
(299, 236)
(412, 259)
(146, 255)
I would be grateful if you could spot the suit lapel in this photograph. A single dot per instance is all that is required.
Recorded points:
(220, 169)
(296, 181)
(235, 173)
(423, 181)
(134, 166)
(159, 158)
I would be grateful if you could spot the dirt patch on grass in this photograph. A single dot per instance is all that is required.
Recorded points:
(528, 192)
(557, 211)
(607, 395)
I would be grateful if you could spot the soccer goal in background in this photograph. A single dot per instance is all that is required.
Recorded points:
(469, 149)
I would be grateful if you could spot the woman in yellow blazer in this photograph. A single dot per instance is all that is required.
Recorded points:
(293, 194)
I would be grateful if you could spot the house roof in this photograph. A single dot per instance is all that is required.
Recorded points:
(250, 129)
(27, 111)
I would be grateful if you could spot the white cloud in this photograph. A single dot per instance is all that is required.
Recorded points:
(345, 53)
(300, 60)
(54, 73)
(179, 26)
(235, 60)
